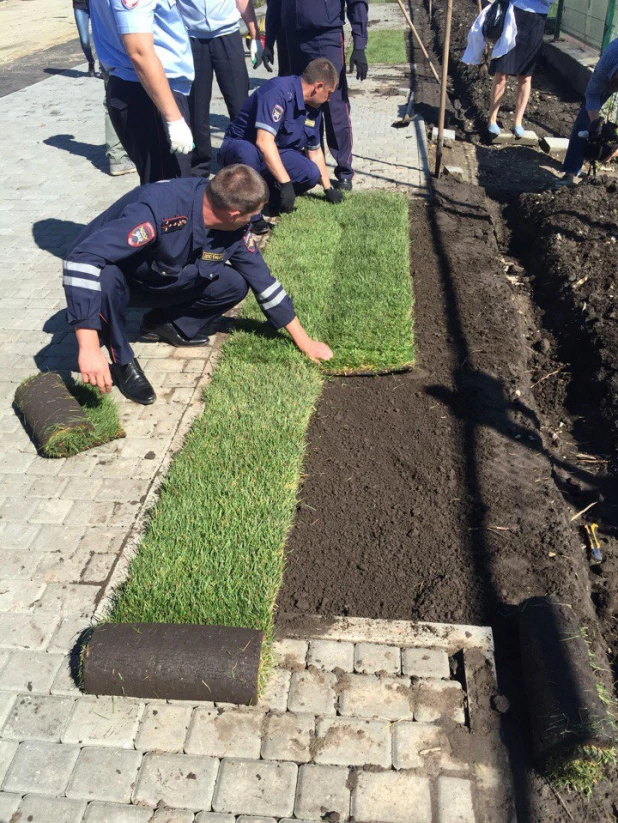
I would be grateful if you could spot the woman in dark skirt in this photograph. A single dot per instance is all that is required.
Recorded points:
(530, 16)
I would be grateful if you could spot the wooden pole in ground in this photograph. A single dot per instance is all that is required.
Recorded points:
(447, 45)
(418, 39)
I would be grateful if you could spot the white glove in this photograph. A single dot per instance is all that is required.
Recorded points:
(181, 139)
(256, 52)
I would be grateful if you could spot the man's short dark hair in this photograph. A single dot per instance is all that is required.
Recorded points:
(237, 188)
(321, 70)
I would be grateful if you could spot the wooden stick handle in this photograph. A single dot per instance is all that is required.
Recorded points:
(418, 39)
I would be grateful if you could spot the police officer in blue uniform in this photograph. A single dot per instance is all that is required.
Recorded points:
(307, 29)
(145, 48)
(277, 133)
(183, 249)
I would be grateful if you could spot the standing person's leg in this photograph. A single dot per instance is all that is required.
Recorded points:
(574, 157)
(199, 106)
(498, 87)
(524, 85)
(119, 160)
(230, 68)
(82, 19)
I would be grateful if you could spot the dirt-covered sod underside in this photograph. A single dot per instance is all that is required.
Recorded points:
(430, 496)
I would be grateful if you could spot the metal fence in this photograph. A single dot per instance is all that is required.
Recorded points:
(592, 22)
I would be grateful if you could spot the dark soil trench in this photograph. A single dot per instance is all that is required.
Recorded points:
(446, 494)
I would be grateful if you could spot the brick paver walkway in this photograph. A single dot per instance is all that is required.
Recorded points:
(360, 719)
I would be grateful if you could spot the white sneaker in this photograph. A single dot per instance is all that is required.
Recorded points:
(568, 180)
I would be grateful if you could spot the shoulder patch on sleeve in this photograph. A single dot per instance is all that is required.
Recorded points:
(173, 223)
(277, 112)
(130, 4)
(141, 234)
(250, 242)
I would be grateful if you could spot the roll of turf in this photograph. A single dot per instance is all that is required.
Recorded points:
(567, 716)
(173, 662)
(50, 410)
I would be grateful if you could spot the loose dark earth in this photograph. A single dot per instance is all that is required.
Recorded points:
(447, 494)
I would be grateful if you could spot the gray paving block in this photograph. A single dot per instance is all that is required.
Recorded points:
(27, 631)
(423, 746)
(7, 701)
(249, 818)
(173, 816)
(164, 727)
(69, 599)
(455, 800)
(321, 790)
(176, 780)
(38, 718)
(288, 737)
(39, 809)
(7, 753)
(330, 655)
(290, 653)
(212, 817)
(380, 697)
(426, 663)
(64, 682)
(275, 696)
(399, 797)
(436, 699)
(313, 691)
(104, 721)
(256, 787)
(348, 742)
(104, 774)
(225, 733)
(19, 595)
(30, 671)
(114, 813)
(370, 658)
(41, 768)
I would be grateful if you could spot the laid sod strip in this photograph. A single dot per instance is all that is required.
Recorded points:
(213, 551)
(66, 419)
(350, 278)
(387, 46)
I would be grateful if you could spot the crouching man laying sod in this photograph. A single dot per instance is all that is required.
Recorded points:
(165, 246)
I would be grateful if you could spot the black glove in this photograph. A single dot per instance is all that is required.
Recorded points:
(268, 58)
(287, 197)
(333, 195)
(358, 61)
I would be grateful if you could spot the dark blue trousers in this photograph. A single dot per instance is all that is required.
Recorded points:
(190, 302)
(574, 158)
(301, 50)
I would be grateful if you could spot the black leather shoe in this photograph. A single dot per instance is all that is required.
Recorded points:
(168, 333)
(260, 226)
(133, 383)
(343, 185)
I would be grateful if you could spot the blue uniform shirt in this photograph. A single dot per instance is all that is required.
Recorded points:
(209, 18)
(278, 107)
(155, 234)
(161, 18)
(598, 85)
(309, 17)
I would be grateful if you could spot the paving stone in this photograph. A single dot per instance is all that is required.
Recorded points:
(7, 752)
(63, 539)
(455, 800)
(38, 718)
(423, 746)
(51, 511)
(18, 535)
(164, 727)
(104, 721)
(276, 693)
(399, 797)
(343, 742)
(41, 768)
(7, 701)
(64, 682)
(19, 595)
(30, 671)
(313, 691)
(56, 568)
(173, 816)
(290, 653)
(18, 565)
(370, 658)
(322, 789)
(67, 634)
(114, 813)
(426, 663)
(250, 787)
(98, 568)
(104, 774)
(69, 598)
(212, 817)
(330, 655)
(288, 737)
(9, 803)
(437, 699)
(51, 809)
(26, 631)
(176, 780)
(248, 818)
(369, 696)
(225, 733)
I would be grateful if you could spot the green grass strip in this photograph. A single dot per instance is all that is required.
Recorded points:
(100, 410)
(213, 551)
(387, 46)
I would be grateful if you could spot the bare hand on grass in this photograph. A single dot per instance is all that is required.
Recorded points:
(317, 351)
(94, 370)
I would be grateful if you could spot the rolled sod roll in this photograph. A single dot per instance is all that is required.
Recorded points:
(50, 410)
(566, 712)
(173, 662)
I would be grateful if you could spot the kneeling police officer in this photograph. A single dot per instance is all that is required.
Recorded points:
(183, 249)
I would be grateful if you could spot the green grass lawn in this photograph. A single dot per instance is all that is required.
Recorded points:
(387, 46)
(213, 551)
